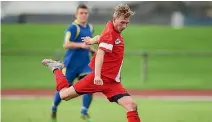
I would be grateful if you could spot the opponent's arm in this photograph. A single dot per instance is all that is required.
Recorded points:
(90, 41)
(70, 44)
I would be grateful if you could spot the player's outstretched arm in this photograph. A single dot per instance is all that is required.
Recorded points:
(90, 41)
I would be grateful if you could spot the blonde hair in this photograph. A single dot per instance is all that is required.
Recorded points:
(122, 10)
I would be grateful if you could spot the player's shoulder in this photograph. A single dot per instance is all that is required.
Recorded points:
(72, 26)
(108, 33)
(108, 28)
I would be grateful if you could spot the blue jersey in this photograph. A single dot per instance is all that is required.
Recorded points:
(76, 57)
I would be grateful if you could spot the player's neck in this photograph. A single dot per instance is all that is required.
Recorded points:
(81, 23)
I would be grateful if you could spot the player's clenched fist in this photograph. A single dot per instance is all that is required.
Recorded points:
(98, 81)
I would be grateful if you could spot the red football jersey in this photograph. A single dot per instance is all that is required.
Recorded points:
(112, 43)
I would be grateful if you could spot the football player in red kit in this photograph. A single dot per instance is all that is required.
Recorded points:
(106, 66)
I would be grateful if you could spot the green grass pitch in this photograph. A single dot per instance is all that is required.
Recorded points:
(38, 110)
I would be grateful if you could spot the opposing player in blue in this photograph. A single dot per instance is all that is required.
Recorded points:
(77, 57)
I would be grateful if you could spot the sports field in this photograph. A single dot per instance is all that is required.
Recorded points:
(24, 46)
(38, 110)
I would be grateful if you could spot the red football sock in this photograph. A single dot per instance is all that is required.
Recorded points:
(132, 116)
(61, 81)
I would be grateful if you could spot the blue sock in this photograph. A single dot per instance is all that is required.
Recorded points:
(86, 101)
(56, 102)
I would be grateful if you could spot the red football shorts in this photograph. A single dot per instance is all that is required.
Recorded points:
(111, 89)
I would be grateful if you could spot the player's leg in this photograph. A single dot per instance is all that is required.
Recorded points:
(62, 84)
(70, 75)
(83, 86)
(130, 105)
(86, 102)
(86, 98)
(116, 93)
(55, 104)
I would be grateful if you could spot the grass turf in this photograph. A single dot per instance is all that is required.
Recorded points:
(38, 110)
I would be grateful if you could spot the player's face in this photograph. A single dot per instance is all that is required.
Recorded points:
(82, 15)
(121, 23)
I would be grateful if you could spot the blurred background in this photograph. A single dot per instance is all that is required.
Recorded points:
(168, 45)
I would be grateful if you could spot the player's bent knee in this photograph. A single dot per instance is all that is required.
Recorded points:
(134, 106)
(68, 93)
(131, 106)
(128, 103)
